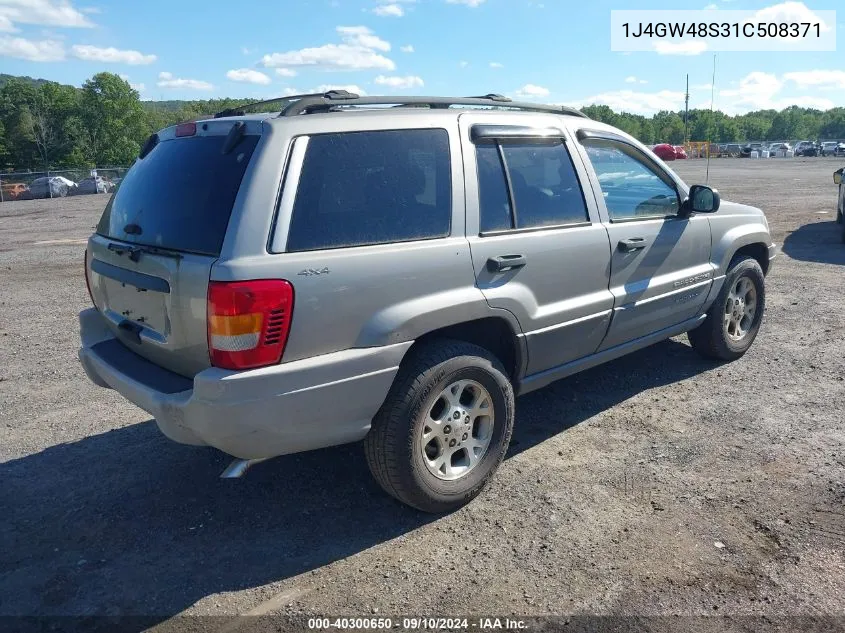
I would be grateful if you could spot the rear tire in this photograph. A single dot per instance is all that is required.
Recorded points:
(417, 451)
(734, 318)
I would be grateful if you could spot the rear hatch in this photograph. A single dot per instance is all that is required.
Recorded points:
(149, 262)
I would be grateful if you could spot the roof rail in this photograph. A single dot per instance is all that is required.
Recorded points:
(241, 110)
(336, 99)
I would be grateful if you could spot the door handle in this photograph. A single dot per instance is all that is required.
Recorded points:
(505, 262)
(633, 244)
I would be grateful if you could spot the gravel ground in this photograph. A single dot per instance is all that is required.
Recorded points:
(658, 484)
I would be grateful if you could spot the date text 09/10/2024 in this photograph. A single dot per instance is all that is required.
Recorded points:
(417, 624)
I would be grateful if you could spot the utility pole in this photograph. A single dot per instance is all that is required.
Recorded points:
(686, 113)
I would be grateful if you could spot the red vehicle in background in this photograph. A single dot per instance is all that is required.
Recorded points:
(680, 152)
(664, 151)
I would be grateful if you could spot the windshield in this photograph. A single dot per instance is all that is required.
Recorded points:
(180, 195)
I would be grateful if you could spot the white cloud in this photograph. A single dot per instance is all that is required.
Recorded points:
(363, 37)
(470, 3)
(634, 80)
(285, 72)
(248, 75)
(167, 80)
(532, 91)
(6, 25)
(111, 55)
(407, 49)
(247, 51)
(711, 7)
(496, 65)
(139, 87)
(688, 47)
(817, 78)
(361, 50)
(389, 11)
(31, 50)
(636, 102)
(788, 12)
(762, 91)
(411, 81)
(43, 12)
(463, 63)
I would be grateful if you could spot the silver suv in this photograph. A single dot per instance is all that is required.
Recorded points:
(396, 270)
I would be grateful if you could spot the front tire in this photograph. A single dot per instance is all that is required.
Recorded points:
(734, 318)
(444, 427)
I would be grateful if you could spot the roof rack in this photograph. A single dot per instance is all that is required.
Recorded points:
(241, 110)
(337, 99)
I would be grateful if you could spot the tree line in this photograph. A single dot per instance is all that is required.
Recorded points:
(44, 124)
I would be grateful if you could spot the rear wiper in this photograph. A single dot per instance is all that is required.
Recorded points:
(135, 251)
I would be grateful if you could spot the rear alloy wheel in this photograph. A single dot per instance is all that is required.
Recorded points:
(444, 427)
(456, 431)
(734, 318)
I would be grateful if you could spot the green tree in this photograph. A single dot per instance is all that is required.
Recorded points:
(113, 122)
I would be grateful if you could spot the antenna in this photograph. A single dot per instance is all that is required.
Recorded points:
(686, 113)
(710, 123)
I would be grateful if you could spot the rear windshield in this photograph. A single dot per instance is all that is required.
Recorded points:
(180, 195)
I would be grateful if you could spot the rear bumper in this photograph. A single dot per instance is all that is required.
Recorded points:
(288, 408)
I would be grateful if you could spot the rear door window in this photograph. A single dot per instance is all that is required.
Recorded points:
(362, 188)
(524, 185)
(180, 195)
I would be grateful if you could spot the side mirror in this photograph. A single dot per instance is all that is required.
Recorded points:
(702, 199)
(837, 176)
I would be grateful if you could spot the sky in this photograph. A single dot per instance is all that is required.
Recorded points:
(551, 51)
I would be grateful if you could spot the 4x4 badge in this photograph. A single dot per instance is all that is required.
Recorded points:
(310, 272)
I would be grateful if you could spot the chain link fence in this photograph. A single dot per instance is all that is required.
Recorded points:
(30, 185)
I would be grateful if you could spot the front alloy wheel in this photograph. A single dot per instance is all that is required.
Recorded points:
(734, 318)
(740, 309)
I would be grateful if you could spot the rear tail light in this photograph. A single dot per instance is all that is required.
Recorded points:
(248, 322)
(87, 277)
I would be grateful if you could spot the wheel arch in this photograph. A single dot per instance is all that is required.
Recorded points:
(497, 334)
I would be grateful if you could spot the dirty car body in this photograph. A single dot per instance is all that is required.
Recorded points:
(303, 268)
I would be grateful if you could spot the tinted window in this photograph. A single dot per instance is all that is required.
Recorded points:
(180, 194)
(544, 185)
(632, 187)
(492, 190)
(361, 188)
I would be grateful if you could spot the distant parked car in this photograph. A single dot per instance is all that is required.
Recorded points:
(664, 151)
(828, 148)
(775, 148)
(680, 152)
(11, 190)
(51, 187)
(732, 149)
(93, 184)
(806, 148)
(746, 150)
(840, 200)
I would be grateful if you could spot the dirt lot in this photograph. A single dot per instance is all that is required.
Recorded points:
(659, 484)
